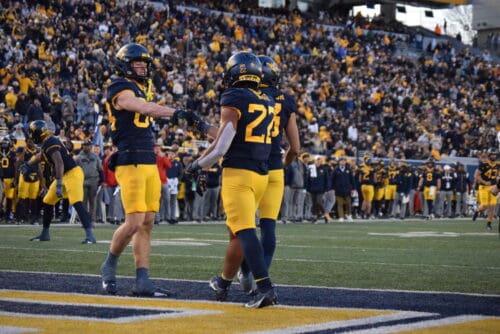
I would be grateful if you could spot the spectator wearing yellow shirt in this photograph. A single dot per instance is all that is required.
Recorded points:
(6, 74)
(215, 45)
(25, 83)
(10, 98)
(239, 32)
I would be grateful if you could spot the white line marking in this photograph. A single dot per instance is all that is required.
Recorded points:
(391, 264)
(15, 330)
(346, 323)
(339, 288)
(128, 298)
(168, 312)
(421, 324)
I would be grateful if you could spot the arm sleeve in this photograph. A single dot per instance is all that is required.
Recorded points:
(221, 146)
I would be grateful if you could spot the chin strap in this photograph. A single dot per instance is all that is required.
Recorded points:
(149, 91)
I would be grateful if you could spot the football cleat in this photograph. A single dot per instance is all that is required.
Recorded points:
(89, 241)
(474, 216)
(109, 287)
(146, 288)
(263, 299)
(108, 279)
(40, 237)
(488, 226)
(156, 293)
(247, 282)
(220, 293)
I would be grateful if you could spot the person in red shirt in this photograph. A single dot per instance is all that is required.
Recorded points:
(111, 196)
(163, 164)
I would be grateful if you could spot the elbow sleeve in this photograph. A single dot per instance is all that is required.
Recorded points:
(221, 146)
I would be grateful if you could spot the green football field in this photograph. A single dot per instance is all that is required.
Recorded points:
(438, 255)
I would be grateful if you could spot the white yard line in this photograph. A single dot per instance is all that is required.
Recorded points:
(347, 323)
(390, 264)
(421, 324)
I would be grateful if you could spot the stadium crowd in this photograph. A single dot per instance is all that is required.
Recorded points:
(354, 94)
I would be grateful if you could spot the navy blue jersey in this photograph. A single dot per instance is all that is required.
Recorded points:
(431, 176)
(251, 145)
(488, 170)
(8, 161)
(393, 173)
(131, 132)
(29, 153)
(53, 144)
(32, 175)
(284, 106)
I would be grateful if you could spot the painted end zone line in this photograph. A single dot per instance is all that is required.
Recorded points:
(167, 312)
(421, 324)
(349, 323)
(16, 330)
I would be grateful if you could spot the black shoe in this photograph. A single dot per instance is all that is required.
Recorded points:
(263, 299)
(146, 288)
(89, 241)
(109, 287)
(488, 226)
(220, 293)
(474, 216)
(40, 238)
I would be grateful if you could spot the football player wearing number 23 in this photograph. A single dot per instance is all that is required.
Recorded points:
(244, 141)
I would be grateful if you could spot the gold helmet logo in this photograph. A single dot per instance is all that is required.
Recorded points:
(121, 53)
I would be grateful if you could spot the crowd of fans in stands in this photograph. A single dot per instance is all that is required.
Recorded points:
(353, 93)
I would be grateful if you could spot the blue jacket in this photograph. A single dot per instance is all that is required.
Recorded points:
(404, 182)
(343, 181)
(317, 183)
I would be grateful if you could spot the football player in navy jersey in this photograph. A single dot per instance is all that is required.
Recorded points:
(244, 142)
(131, 113)
(28, 184)
(485, 177)
(284, 121)
(8, 160)
(68, 182)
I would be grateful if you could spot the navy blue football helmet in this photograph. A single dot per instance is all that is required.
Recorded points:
(129, 53)
(38, 131)
(270, 71)
(243, 67)
(492, 153)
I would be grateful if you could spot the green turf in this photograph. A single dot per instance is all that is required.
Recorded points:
(458, 256)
